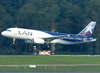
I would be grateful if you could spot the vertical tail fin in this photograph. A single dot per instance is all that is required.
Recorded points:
(87, 31)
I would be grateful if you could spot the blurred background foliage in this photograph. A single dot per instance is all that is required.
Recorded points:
(69, 16)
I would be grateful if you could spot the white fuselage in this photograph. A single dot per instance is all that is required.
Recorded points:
(40, 37)
(24, 33)
(27, 34)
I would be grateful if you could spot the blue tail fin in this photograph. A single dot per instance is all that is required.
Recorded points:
(87, 31)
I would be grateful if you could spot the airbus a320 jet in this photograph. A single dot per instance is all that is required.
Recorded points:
(41, 37)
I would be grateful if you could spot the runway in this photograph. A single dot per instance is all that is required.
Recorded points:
(53, 65)
(58, 72)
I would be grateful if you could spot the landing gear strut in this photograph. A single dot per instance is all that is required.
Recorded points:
(14, 40)
(53, 48)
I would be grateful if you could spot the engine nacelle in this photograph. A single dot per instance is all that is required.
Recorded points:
(39, 41)
(35, 40)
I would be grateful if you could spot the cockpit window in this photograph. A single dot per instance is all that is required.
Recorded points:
(8, 30)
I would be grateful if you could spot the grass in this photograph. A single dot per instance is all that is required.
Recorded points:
(27, 60)
(35, 60)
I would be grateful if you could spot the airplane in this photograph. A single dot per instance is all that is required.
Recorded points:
(41, 37)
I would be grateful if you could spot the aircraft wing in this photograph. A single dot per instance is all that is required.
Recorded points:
(55, 37)
(49, 39)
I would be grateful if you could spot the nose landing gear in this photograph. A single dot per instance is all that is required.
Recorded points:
(14, 40)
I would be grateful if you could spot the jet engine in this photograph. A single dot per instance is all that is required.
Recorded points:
(35, 40)
(39, 41)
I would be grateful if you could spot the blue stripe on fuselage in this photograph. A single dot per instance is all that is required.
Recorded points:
(72, 40)
(71, 37)
(55, 33)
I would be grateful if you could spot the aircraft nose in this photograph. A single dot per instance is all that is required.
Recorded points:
(3, 33)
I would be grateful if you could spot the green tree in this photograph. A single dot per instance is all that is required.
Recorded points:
(93, 13)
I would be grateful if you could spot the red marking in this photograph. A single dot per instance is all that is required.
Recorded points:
(45, 52)
(86, 34)
(48, 53)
